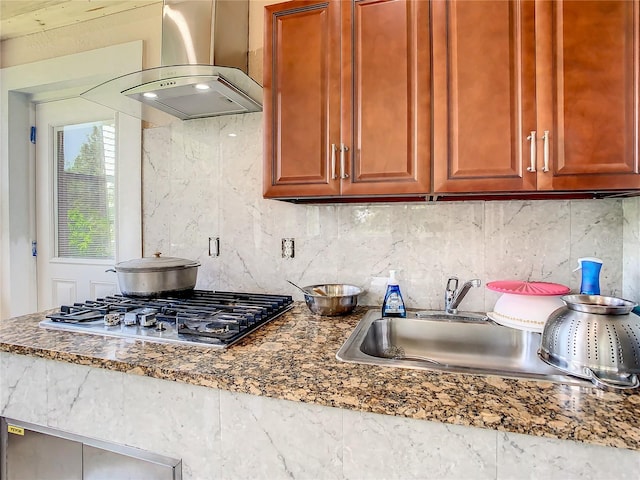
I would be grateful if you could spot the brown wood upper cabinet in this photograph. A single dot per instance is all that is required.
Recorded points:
(347, 99)
(536, 95)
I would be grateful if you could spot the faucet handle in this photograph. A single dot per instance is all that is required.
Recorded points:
(450, 292)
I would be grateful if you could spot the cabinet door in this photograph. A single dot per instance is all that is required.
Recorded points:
(33, 454)
(484, 95)
(301, 98)
(103, 464)
(386, 94)
(588, 93)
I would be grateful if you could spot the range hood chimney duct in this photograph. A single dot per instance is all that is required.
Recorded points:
(204, 66)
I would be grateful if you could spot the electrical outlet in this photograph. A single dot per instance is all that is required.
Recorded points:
(288, 248)
(214, 246)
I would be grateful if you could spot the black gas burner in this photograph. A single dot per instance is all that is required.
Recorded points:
(221, 328)
(211, 318)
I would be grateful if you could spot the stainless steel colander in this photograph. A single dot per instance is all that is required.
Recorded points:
(594, 337)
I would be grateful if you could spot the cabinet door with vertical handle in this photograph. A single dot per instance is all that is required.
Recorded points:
(302, 99)
(484, 116)
(386, 97)
(588, 94)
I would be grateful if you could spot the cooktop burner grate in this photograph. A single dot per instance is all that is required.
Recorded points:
(211, 318)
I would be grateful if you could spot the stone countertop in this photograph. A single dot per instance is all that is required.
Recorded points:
(293, 358)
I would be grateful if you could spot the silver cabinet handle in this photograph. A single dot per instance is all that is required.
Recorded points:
(333, 161)
(532, 139)
(343, 154)
(545, 137)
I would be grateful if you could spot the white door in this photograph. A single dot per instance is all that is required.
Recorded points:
(88, 191)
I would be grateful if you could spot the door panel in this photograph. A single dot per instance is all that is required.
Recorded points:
(33, 452)
(102, 464)
(484, 95)
(302, 95)
(83, 153)
(35, 455)
(389, 93)
(65, 292)
(594, 79)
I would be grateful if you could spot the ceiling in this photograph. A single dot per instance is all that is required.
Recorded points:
(24, 17)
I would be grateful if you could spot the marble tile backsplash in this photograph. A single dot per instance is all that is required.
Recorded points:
(203, 178)
(631, 249)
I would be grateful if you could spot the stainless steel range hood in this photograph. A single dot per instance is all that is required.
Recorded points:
(203, 70)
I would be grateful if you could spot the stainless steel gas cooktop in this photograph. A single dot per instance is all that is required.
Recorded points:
(207, 318)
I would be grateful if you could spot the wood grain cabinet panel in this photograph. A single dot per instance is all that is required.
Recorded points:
(386, 97)
(347, 99)
(301, 98)
(484, 95)
(589, 93)
(404, 98)
(503, 70)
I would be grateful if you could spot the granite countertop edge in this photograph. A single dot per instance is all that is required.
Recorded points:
(293, 358)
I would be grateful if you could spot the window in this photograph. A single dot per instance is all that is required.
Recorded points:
(85, 190)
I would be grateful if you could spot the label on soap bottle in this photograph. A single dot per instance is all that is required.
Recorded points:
(393, 305)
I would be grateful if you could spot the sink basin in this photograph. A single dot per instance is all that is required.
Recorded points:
(460, 343)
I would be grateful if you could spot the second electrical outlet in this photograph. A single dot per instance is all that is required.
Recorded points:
(288, 248)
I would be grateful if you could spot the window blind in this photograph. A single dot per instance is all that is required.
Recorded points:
(85, 158)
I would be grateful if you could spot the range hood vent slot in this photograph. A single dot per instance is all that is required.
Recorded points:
(204, 67)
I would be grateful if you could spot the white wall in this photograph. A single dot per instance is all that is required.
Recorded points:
(17, 176)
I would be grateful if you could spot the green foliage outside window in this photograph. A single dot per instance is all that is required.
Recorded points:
(88, 234)
(86, 230)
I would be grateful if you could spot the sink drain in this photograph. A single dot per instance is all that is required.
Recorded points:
(393, 352)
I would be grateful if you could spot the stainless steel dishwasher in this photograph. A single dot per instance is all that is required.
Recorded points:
(37, 452)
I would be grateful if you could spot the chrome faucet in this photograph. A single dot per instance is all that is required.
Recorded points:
(454, 295)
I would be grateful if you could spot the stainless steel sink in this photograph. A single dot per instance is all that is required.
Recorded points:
(460, 343)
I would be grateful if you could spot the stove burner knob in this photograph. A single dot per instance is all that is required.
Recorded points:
(147, 319)
(130, 318)
(111, 319)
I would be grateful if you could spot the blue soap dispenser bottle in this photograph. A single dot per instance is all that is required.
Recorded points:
(393, 305)
(590, 266)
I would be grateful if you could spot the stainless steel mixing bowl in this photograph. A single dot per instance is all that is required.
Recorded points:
(331, 299)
